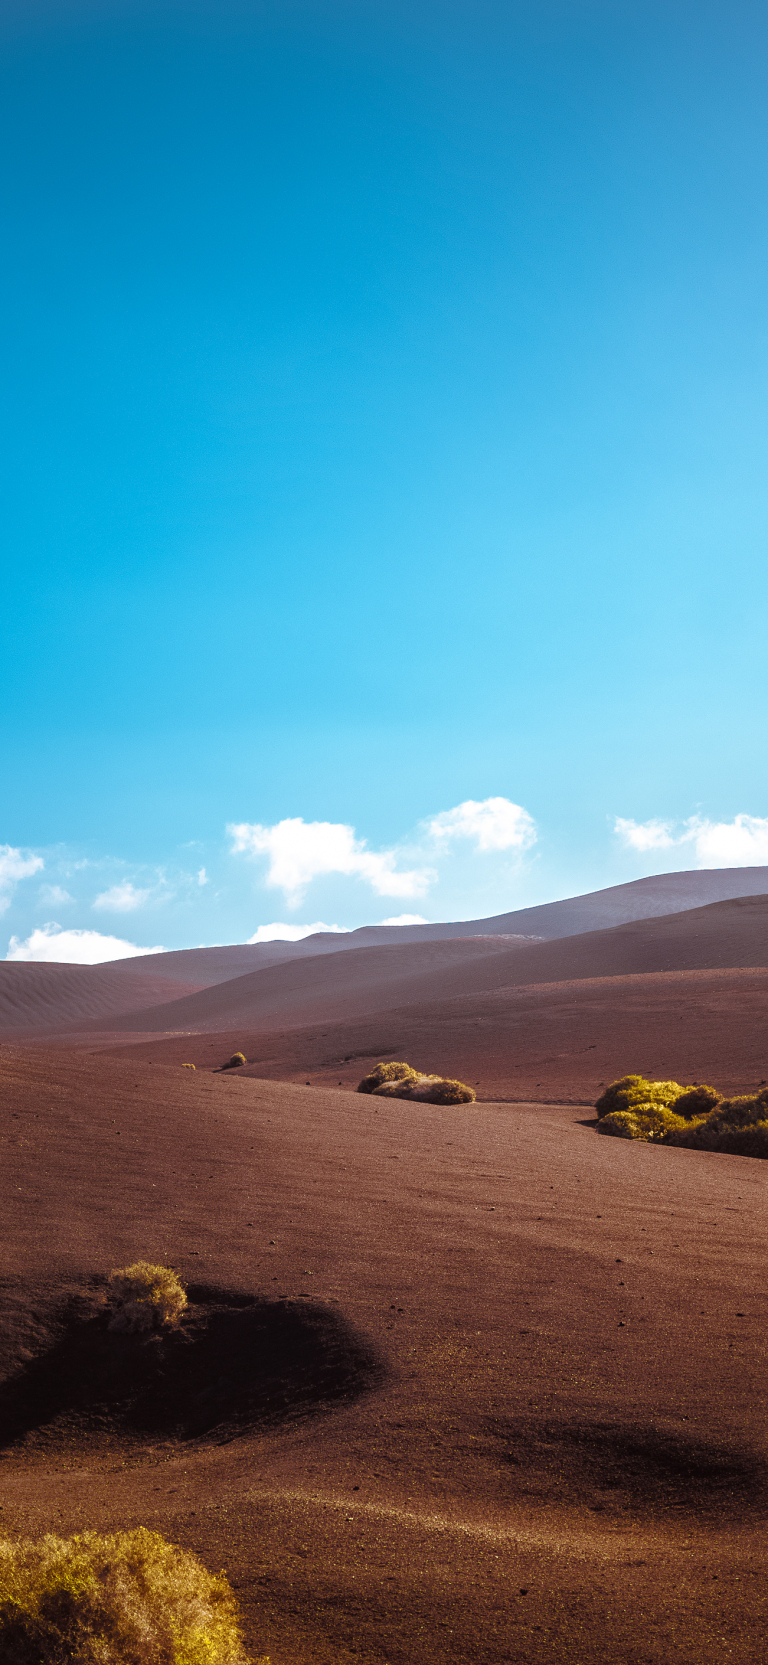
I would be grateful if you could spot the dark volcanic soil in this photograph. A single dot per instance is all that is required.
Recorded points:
(466, 1384)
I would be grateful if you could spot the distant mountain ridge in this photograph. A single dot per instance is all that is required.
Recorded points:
(50, 997)
(598, 910)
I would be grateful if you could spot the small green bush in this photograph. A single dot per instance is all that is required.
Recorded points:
(698, 1120)
(651, 1122)
(236, 1060)
(695, 1102)
(736, 1126)
(632, 1090)
(440, 1090)
(145, 1297)
(122, 1598)
(386, 1072)
(400, 1081)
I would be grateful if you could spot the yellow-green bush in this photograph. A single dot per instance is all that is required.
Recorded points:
(651, 1122)
(236, 1060)
(633, 1090)
(386, 1072)
(695, 1102)
(145, 1297)
(400, 1081)
(698, 1120)
(122, 1598)
(737, 1127)
(437, 1089)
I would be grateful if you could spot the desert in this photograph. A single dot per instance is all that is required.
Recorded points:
(454, 1381)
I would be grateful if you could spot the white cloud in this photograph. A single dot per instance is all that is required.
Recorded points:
(494, 824)
(292, 933)
(15, 866)
(300, 851)
(202, 877)
(645, 835)
(742, 842)
(51, 943)
(405, 919)
(54, 895)
(121, 898)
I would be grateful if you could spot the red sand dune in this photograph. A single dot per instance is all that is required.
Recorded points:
(48, 996)
(555, 1043)
(513, 1409)
(466, 1384)
(364, 980)
(37, 996)
(682, 997)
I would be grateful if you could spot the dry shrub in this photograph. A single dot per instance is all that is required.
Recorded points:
(437, 1089)
(145, 1297)
(188, 1066)
(695, 1102)
(236, 1060)
(651, 1122)
(736, 1127)
(631, 1091)
(400, 1088)
(698, 1120)
(122, 1598)
(386, 1072)
(400, 1081)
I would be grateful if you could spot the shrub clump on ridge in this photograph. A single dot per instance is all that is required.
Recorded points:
(236, 1060)
(401, 1081)
(736, 1127)
(651, 1122)
(122, 1598)
(145, 1297)
(695, 1102)
(632, 1091)
(382, 1073)
(694, 1118)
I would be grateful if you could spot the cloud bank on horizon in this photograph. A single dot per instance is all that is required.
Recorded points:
(53, 944)
(742, 842)
(493, 836)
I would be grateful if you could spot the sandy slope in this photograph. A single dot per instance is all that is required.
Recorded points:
(37, 996)
(560, 1454)
(555, 1042)
(367, 981)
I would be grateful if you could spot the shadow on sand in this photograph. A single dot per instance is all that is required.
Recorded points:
(637, 1468)
(232, 1365)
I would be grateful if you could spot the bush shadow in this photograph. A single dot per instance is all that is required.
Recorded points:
(232, 1364)
(640, 1467)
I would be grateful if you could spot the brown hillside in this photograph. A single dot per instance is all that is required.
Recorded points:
(341, 987)
(457, 1384)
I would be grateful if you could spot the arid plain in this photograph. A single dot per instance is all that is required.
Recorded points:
(455, 1384)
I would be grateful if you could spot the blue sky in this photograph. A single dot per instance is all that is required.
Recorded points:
(384, 435)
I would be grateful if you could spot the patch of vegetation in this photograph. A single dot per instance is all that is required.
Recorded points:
(695, 1118)
(437, 1089)
(651, 1122)
(237, 1059)
(145, 1297)
(383, 1073)
(121, 1598)
(401, 1081)
(632, 1091)
(736, 1126)
(695, 1102)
